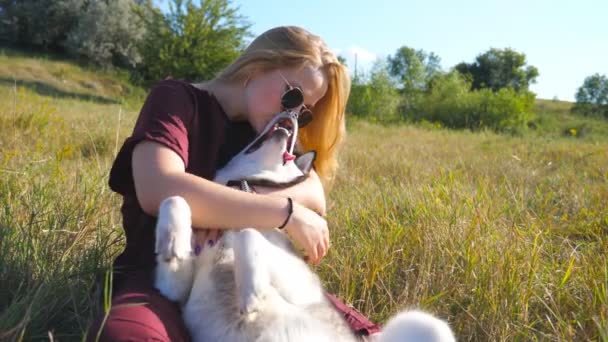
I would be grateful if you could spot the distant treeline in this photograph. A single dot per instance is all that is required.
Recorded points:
(490, 93)
(195, 40)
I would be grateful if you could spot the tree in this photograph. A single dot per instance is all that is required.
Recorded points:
(108, 33)
(592, 96)
(41, 24)
(413, 68)
(500, 68)
(190, 42)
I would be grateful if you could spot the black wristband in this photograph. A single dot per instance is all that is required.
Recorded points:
(290, 211)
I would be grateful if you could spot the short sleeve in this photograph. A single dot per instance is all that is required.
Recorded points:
(165, 118)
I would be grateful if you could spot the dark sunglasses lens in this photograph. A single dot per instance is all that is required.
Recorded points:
(304, 118)
(292, 98)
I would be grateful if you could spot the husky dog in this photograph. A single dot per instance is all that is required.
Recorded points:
(252, 285)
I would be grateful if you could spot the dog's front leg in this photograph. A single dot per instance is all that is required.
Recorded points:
(250, 270)
(174, 270)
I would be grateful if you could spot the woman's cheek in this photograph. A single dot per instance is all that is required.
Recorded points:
(261, 121)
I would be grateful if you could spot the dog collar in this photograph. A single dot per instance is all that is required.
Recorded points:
(242, 184)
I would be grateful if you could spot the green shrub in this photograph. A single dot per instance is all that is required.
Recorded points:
(107, 33)
(375, 98)
(577, 131)
(505, 110)
(445, 102)
(450, 102)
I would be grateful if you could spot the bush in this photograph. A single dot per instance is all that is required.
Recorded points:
(506, 110)
(445, 101)
(108, 33)
(450, 102)
(375, 98)
(578, 131)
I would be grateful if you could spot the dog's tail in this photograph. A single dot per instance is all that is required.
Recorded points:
(416, 326)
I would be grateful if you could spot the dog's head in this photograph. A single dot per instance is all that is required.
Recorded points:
(269, 159)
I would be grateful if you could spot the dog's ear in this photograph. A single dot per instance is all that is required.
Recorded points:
(306, 161)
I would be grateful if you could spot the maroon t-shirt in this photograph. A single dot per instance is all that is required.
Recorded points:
(191, 122)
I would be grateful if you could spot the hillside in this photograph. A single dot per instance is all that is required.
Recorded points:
(54, 77)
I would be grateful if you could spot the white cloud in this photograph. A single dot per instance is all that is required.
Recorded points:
(362, 54)
(364, 58)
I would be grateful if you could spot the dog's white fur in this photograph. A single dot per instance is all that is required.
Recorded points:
(252, 286)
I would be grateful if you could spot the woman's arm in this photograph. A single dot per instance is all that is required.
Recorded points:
(158, 173)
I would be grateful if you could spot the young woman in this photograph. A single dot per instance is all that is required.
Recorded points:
(186, 132)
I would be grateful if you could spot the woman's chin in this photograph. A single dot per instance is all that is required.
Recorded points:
(259, 125)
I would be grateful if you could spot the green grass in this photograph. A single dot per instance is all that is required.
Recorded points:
(59, 222)
(553, 119)
(505, 237)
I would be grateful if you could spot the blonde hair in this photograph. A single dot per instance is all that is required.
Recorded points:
(292, 47)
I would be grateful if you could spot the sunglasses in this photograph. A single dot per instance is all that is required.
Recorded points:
(293, 98)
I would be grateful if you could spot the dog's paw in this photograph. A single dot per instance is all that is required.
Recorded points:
(173, 229)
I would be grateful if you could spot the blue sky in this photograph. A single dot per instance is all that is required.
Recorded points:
(566, 40)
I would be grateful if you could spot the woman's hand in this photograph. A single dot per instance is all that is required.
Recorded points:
(309, 231)
(306, 226)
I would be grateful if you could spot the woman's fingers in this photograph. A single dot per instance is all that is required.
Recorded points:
(313, 255)
(205, 238)
(323, 246)
(320, 251)
(200, 236)
(212, 237)
(326, 242)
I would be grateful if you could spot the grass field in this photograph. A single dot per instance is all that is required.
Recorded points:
(505, 237)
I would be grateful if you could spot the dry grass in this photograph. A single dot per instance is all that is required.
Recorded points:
(505, 237)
